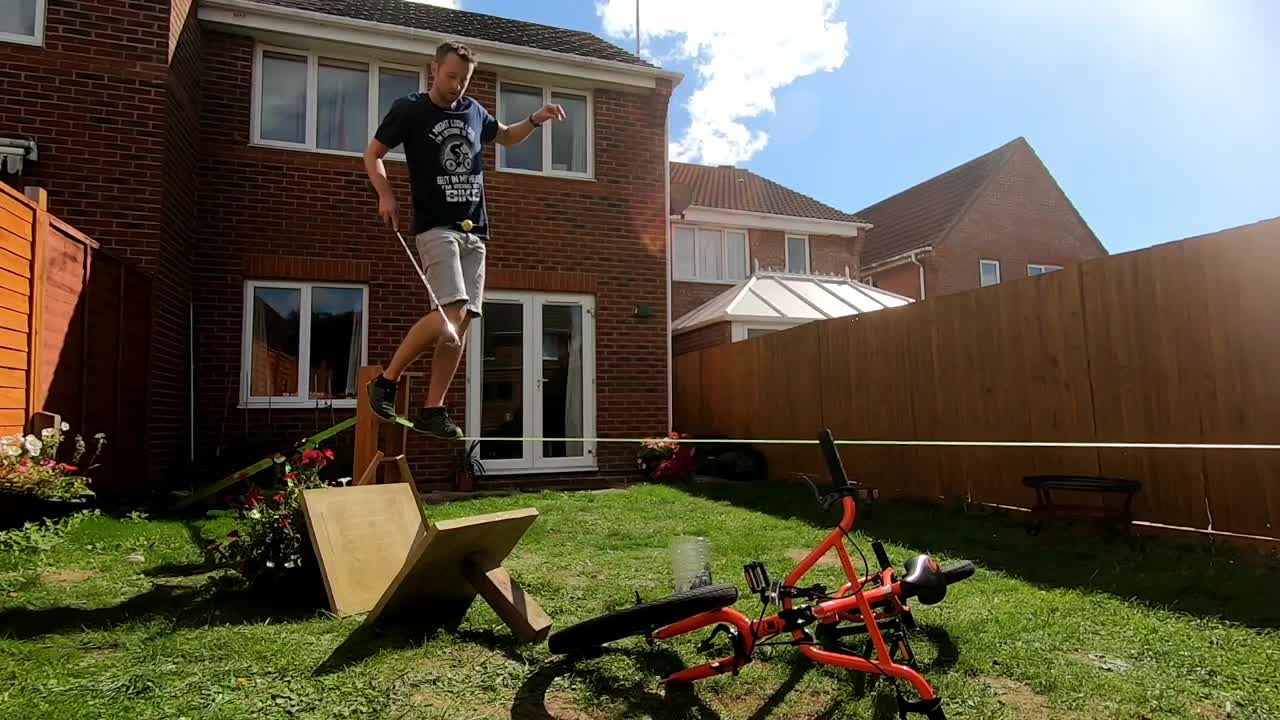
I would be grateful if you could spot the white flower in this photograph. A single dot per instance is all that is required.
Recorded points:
(255, 513)
(289, 565)
(65, 427)
(34, 445)
(13, 450)
(8, 440)
(48, 433)
(271, 563)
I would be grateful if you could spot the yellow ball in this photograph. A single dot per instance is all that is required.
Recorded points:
(467, 225)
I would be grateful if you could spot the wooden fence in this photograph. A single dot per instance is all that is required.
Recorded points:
(1179, 343)
(74, 338)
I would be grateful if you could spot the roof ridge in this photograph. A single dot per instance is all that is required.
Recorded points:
(979, 189)
(938, 176)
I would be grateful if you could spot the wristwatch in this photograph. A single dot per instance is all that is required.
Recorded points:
(533, 122)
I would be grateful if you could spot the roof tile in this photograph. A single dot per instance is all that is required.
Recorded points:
(730, 188)
(468, 25)
(919, 215)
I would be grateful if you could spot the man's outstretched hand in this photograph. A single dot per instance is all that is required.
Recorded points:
(550, 111)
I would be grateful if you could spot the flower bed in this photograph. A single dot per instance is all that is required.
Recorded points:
(35, 484)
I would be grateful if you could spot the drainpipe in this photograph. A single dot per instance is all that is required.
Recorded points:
(921, 266)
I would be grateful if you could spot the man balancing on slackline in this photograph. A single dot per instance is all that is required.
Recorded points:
(443, 132)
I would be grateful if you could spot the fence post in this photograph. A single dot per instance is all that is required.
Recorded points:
(39, 239)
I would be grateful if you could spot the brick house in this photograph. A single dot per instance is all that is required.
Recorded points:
(216, 143)
(997, 217)
(729, 222)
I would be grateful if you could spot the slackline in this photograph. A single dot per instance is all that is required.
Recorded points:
(263, 464)
(920, 443)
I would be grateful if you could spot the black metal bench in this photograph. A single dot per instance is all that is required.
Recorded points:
(1047, 509)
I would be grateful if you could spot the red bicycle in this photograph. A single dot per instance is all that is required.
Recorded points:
(874, 604)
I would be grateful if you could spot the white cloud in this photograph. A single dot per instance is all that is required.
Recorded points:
(743, 51)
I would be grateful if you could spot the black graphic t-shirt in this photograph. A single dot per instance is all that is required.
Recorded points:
(446, 168)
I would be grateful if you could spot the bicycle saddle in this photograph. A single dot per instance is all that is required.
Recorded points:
(923, 579)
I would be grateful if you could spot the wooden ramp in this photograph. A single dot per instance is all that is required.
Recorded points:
(379, 553)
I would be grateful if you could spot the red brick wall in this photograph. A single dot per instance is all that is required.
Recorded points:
(686, 296)
(1022, 217)
(609, 234)
(702, 338)
(829, 254)
(95, 99)
(903, 279)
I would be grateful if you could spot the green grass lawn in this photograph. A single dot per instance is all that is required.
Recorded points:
(1064, 625)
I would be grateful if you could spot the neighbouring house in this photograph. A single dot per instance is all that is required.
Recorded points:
(216, 144)
(997, 217)
(768, 302)
(727, 223)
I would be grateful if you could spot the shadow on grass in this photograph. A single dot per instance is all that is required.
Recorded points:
(222, 600)
(411, 632)
(1197, 579)
(637, 696)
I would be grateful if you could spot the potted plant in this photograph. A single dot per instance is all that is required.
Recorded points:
(664, 459)
(468, 469)
(34, 484)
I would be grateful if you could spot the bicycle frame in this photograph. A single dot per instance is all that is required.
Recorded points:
(852, 603)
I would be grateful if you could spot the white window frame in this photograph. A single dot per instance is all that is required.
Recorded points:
(698, 275)
(786, 252)
(547, 91)
(982, 263)
(531, 460)
(304, 345)
(1044, 269)
(42, 8)
(313, 57)
(741, 330)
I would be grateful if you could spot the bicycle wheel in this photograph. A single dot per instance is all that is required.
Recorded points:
(641, 619)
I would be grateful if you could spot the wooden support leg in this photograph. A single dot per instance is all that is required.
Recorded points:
(370, 474)
(518, 610)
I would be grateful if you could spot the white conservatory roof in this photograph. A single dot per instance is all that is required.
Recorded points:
(779, 298)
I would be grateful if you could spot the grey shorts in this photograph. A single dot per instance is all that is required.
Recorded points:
(454, 264)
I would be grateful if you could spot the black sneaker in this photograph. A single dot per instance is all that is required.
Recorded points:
(382, 398)
(436, 423)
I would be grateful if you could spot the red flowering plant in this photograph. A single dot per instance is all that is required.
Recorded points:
(666, 459)
(272, 539)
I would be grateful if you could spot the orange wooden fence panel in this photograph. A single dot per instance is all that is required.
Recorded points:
(17, 231)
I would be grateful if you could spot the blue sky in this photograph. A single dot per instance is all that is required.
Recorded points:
(1160, 118)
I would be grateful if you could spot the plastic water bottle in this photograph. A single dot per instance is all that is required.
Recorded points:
(691, 562)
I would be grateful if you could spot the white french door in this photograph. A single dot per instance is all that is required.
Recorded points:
(531, 380)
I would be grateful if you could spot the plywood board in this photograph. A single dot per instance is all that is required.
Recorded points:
(433, 582)
(362, 537)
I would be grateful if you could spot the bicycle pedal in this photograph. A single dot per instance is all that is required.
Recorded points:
(757, 576)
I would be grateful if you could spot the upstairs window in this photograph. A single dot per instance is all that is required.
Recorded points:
(315, 101)
(989, 272)
(709, 254)
(22, 21)
(1034, 269)
(561, 148)
(798, 254)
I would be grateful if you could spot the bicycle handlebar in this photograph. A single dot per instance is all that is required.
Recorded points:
(832, 455)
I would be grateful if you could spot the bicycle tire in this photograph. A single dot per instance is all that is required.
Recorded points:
(640, 619)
